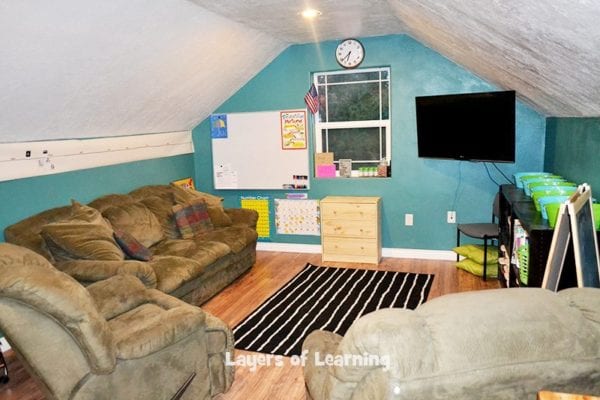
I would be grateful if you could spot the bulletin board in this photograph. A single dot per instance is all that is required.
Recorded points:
(260, 150)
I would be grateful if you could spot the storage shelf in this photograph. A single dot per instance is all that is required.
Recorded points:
(515, 204)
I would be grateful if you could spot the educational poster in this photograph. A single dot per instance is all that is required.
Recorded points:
(297, 217)
(293, 130)
(261, 205)
(218, 126)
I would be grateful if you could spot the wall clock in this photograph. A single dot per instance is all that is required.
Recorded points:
(349, 53)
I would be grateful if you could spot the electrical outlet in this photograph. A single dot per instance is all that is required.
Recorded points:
(408, 219)
(451, 217)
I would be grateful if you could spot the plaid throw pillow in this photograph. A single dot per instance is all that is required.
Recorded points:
(131, 246)
(192, 218)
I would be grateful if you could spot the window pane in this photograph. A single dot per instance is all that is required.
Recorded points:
(354, 143)
(320, 79)
(322, 103)
(353, 77)
(385, 101)
(356, 102)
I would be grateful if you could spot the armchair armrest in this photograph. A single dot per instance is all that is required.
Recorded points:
(117, 295)
(159, 322)
(97, 270)
(219, 343)
(243, 216)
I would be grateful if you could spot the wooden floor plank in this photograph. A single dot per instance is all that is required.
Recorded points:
(233, 304)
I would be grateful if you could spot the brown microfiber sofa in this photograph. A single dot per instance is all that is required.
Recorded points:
(192, 269)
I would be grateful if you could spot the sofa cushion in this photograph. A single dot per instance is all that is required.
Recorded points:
(205, 252)
(219, 217)
(110, 200)
(163, 191)
(172, 271)
(192, 218)
(131, 246)
(235, 237)
(162, 208)
(137, 220)
(183, 195)
(84, 235)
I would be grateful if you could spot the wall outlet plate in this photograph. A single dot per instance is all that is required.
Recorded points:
(408, 219)
(451, 217)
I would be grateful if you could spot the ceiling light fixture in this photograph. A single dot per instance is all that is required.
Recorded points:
(310, 13)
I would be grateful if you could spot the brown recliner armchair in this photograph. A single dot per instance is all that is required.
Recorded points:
(115, 339)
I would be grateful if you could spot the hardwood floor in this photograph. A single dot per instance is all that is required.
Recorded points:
(272, 270)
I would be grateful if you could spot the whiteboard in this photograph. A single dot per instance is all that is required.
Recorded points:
(249, 153)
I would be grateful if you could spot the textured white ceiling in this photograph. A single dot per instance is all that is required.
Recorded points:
(339, 19)
(71, 68)
(549, 51)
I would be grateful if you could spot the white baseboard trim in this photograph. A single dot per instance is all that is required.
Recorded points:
(419, 254)
(4, 346)
(446, 255)
(289, 247)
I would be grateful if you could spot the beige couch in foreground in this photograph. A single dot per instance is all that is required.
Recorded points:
(78, 240)
(114, 339)
(492, 344)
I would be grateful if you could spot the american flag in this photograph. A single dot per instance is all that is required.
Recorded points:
(312, 99)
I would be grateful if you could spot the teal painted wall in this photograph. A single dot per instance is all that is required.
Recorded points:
(24, 197)
(573, 149)
(424, 187)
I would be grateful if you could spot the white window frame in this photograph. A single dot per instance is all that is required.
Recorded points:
(380, 123)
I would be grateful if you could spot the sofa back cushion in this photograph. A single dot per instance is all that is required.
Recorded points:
(110, 200)
(137, 220)
(84, 235)
(28, 232)
(163, 209)
(183, 195)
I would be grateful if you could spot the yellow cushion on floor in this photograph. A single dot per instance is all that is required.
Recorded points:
(477, 269)
(475, 252)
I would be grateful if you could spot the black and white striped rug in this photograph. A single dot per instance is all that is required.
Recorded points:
(325, 298)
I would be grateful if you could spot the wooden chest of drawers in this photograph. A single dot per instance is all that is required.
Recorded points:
(351, 229)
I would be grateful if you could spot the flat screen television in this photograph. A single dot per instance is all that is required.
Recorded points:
(471, 126)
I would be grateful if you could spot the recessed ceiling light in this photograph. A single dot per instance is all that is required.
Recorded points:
(310, 13)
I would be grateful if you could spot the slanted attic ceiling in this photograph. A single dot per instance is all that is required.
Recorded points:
(548, 51)
(71, 68)
(92, 68)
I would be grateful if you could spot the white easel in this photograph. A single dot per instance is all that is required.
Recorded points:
(576, 220)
